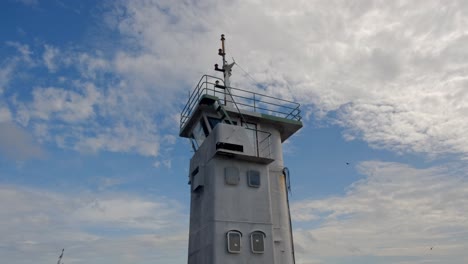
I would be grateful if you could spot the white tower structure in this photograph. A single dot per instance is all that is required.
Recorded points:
(239, 210)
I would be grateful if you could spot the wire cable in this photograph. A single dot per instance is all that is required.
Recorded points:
(257, 82)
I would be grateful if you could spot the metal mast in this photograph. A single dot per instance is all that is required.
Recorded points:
(227, 71)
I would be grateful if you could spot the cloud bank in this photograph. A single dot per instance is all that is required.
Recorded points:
(16, 144)
(93, 228)
(392, 74)
(396, 214)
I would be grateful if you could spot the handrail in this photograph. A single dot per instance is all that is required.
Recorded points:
(262, 144)
(256, 102)
(195, 96)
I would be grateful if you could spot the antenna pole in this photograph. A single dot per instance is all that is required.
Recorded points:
(223, 50)
(60, 257)
(228, 100)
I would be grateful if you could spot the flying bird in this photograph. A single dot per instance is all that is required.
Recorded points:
(347, 163)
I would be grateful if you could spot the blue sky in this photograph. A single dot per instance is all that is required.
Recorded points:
(90, 96)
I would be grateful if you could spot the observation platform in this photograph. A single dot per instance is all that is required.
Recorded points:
(253, 107)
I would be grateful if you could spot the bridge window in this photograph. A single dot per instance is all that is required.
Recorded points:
(213, 121)
(233, 241)
(200, 132)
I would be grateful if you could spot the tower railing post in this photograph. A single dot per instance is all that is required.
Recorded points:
(255, 110)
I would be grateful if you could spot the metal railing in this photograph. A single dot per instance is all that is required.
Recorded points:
(263, 143)
(242, 99)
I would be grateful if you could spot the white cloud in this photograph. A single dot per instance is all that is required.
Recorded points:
(9, 65)
(127, 213)
(22, 113)
(65, 105)
(391, 73)
(5, 114)
(49, 56)
(6, 72)
(165, 162)
(107, 182)
(90, 65)
(353, 57)
(395, 212)
(31, 3)
(91, 119)
(423, 120)
(17, 144)
(90, 113)
(24, 50)
(121, 138)
(38, 224)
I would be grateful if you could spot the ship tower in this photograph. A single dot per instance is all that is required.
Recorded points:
(239, 211)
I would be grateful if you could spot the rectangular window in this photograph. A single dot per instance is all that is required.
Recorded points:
(233, 241)
(231, 175)
(213, 121)
(253, 178)
(199, 134)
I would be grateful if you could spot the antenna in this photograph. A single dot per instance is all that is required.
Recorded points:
(226, 70)
(60, 257)
(222, 51)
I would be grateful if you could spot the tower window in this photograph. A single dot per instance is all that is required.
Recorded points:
(253, 178)
(233, 241)
(213, 121)
(205, 128)
(199, 134)
(257, 242)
